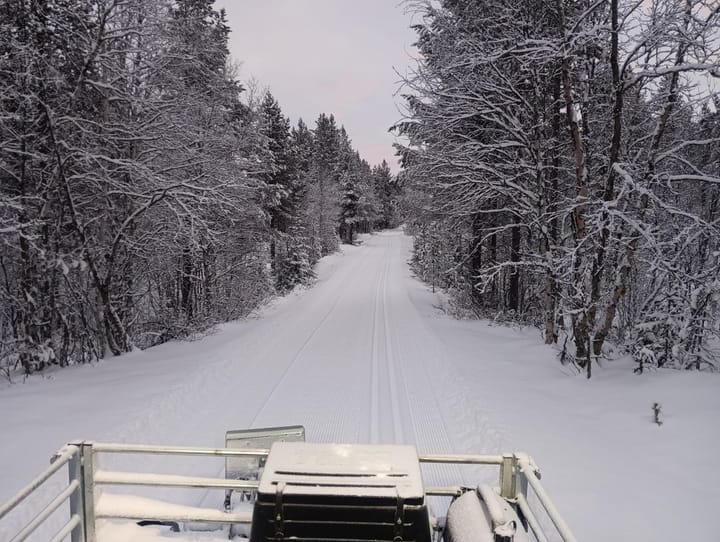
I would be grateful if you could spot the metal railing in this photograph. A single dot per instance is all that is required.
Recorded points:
(69, 455)
(517, 474)
(84, 478)
(107, 508)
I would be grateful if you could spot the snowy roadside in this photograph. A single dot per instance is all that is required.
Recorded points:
(613, 473)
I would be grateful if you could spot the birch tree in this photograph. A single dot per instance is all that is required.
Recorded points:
(551, 136)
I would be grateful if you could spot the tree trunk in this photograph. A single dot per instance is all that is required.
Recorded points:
(514, 289)
(186, 284)
(609, 191)
(581, 330)
(623, 276)
(475, 262)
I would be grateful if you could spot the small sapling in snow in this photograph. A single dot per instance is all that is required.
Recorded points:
(656, 413)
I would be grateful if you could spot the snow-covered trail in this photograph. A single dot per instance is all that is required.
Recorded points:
(351, 359)
(365, 356)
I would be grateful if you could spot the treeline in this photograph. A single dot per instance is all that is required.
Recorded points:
(144, 193)
(564, 170)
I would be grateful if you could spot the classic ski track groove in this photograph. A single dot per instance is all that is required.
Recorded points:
(383, 362)
(426, 416)
(255, 373)
(294, 360)
(391, 362)
(284, 375)
(374, 418)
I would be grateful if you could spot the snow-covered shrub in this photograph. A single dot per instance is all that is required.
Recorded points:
(678, 328)
(293, 265)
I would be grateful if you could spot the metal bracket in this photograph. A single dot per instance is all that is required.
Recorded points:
(508, 477)
(279, 519)
(83, 469)
(77, 508)
(399, 520)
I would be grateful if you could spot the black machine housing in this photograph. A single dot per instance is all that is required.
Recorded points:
(312, 492)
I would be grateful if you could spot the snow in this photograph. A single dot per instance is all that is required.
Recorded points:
(469, 520)
(365, 356)
(130, 506)
(129, 532)
(352, 470)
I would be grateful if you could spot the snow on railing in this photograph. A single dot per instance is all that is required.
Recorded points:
(69, 455)
(140, 508)
(120, 507)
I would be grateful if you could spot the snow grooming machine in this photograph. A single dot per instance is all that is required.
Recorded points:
(278, 487)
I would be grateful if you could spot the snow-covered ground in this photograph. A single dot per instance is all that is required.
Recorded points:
(366, 356)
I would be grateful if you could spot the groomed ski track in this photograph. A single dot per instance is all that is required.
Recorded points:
(365, 356)
(352, 359)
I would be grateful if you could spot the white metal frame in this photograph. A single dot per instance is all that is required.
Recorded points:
(517, 474)
(69, 455)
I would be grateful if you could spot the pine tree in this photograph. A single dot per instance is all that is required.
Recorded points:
(350, 202)
(324, 185)
(279, 182)
(368, 204)
(388, 193)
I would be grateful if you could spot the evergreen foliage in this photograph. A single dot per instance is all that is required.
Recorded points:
(144, 193)
(388, 193)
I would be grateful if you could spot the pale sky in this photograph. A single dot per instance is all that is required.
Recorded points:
(328, 56)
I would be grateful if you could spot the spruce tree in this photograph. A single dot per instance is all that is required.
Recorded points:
(296, 267)
(279, 201)
(324, 185)
(387, 191)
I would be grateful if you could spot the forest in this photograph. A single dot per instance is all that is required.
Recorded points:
(560, 169)
(145, 193)
(563, 171)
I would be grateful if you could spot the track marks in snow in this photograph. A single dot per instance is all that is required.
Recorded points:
(293, 360)
(375, 342)
(317, 385)
(385, 420)
(392, 362)
(423, 407)
(404, 402)
(351, 359)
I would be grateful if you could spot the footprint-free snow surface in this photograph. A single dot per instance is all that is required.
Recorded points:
(367, 356)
